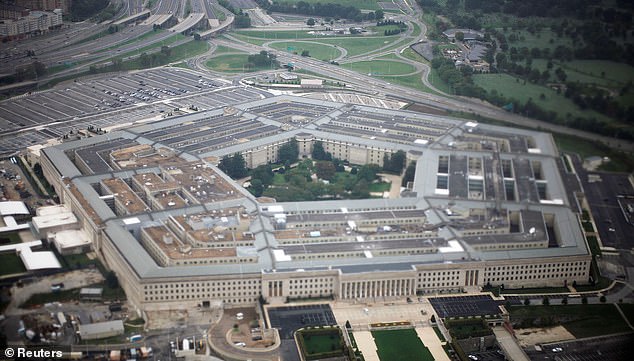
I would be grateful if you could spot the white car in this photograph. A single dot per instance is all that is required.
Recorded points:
(558, 349)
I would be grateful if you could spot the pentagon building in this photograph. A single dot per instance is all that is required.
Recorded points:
(489, 205)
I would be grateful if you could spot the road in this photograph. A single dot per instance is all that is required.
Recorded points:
(455, 103)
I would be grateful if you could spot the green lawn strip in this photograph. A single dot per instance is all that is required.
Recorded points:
(219, 13)
(275, 35)
(517, 89)
(400, 345)
(380, 67)
(231, 63)
(254, 41)
(179, 52)
(144, 49)
(379, 187)
(580, 320)
(615, 72)
(11, 264)
(593, 244)
(380, 30)
(315, 50)
(221, 49)
(358, 45)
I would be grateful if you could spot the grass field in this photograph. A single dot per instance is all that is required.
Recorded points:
(226, 50)
(619, 162)
(359, 45)
(380, 67)
(543, 38)
(400, 345)
(580, 320)
(275, 35)
(320, 343)
(179, 52)
(315, 50)
(11, 264)
(515, 88)
(231, 63)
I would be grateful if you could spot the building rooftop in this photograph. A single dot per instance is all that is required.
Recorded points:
(476, 185)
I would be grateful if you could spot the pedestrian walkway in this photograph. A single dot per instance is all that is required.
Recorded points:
(431, 341)
(509, 345)
(365, 343)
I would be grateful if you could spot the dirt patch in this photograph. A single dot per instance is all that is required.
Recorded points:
(533, 336)
(249, 328)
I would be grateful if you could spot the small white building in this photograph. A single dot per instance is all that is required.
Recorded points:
(94, 331)
(312, 83)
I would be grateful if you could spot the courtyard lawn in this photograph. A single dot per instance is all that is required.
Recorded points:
(380, 67)
(315, 50)
(580, 320)
(400, 345)
(11, 264)
(515, 88)
(322, 343)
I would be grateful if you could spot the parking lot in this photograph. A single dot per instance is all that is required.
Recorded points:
(603, 348)
(105, 102)
(606, 193)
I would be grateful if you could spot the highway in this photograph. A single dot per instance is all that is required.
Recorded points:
(378, 86)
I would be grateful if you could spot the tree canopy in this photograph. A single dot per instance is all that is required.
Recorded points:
(289, 152)
(234, 166)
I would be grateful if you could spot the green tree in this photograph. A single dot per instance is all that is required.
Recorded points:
(546, 301)
(527, 301)
(379, 14)
(459, 36)
(368, 172)
(325, 170)
(305, 53)
(264, 173)
(234, 166)
(257, 187)
(394, 163)
(319, 153)
(289, 152)
(310, 22)
(410, 172)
